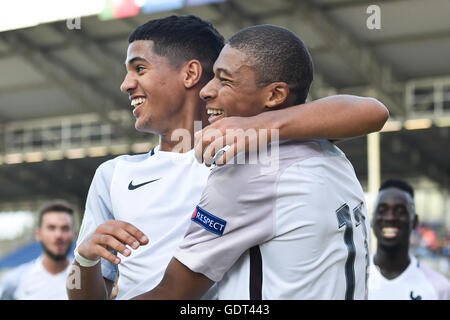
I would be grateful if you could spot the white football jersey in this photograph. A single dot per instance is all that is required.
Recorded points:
(31, 281)
(298, 232)
(156, 193)
(417, 282)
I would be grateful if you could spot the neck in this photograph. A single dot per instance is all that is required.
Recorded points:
(54, 267)
(392, 263)
(180, 138)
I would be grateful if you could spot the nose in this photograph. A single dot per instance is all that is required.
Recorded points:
(59, 233)
(129, 84)
(209, 91)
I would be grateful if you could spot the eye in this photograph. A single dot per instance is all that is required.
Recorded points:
(139, 69)
(401, 211)
(224, 80)
(381, 209)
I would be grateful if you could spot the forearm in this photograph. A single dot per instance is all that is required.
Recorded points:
(87, 283)
(178, 283)
(169, 292)
(334, 117)
(158, 293)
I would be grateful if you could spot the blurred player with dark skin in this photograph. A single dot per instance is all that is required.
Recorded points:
(297, 230)
(134, 198)
(45, 277)
(395, 273)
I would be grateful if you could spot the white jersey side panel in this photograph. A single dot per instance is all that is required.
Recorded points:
(99, 210)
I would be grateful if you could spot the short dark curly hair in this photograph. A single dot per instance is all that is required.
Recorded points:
(277, 55)
(55, 206)
(183, 38)
(399, 184)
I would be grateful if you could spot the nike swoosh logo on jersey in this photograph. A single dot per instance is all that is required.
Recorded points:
(131, 186)
(418, 297)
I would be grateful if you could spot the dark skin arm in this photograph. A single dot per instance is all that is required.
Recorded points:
(92, 284)
(178, 283)
(332, 118)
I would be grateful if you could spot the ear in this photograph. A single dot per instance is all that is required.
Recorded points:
(415, 221)
(37, 235)
(277, 94)
(192, 73)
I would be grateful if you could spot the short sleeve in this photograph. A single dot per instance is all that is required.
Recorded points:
(99, 210)
(234, 214)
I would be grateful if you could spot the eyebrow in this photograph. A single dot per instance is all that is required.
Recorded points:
(133, 60)
(393, 205)
(227, 73)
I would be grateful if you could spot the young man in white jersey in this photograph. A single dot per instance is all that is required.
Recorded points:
(395, 273)
(139, 206)
(298, 230)
(45, 277)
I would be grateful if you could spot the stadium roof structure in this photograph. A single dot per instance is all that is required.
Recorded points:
(62, 113)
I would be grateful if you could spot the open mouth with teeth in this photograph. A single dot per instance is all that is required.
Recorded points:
(136, 102)
(389, 232)
(214, 114)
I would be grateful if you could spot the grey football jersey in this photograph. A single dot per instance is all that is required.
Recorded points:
(297, 231)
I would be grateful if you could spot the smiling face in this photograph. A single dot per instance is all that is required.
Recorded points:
(155, 88)
(233, 90)
(394, 218)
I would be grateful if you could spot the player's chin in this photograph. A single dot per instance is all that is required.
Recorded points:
(389, 242)
(59, 254)
(143, 126)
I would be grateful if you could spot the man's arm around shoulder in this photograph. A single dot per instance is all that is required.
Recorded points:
(178, 283)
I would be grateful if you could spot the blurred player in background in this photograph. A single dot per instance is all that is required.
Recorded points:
(395, 273)
(45, 277)
(134, 198)
(298, 232)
